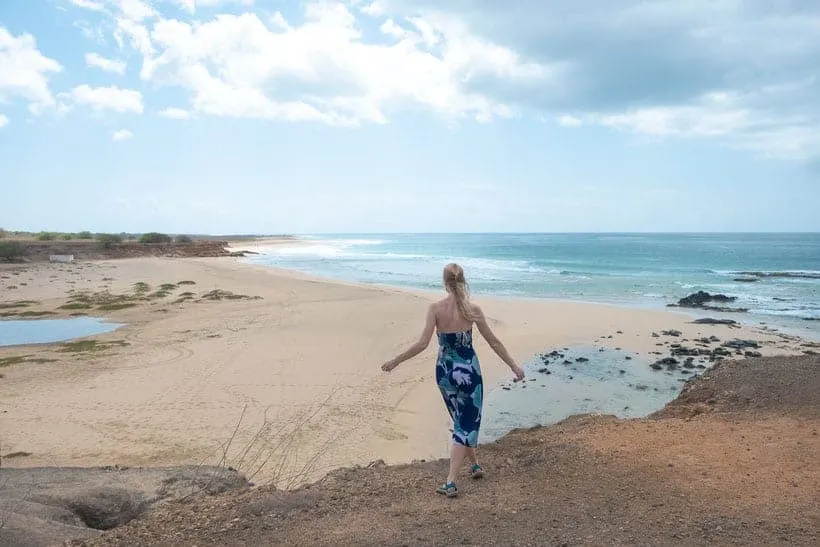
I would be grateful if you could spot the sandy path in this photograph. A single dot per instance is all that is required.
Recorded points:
(302, 361)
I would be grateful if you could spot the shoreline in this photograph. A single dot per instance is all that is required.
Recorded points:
(307, 353)
(792, 324)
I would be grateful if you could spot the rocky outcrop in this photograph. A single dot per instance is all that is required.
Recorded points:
(703, 300)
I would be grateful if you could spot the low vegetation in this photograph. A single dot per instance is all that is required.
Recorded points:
(184, 240)
(11, 251)
(84, 346)
(17, 359)
(109, 240)
(219, 294)
(154, 238)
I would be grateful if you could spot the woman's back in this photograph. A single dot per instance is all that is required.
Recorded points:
(449, 318)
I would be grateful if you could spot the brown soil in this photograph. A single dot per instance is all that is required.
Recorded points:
(740, 467)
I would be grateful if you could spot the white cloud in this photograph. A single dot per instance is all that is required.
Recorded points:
(88, 4)
(108, 65)
(175, 114)
(24, 71)
(3, 120)
(569, 121)
(193, 5)
(323, 70)
(741, 121)
(106, 98)
(121, 135)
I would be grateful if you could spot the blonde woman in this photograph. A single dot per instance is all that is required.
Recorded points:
(458, 373)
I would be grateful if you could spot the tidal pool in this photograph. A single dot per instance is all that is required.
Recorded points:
(46, 331)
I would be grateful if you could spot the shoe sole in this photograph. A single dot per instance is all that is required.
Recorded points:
(448, 494)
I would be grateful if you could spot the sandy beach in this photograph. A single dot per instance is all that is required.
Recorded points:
(279, 377)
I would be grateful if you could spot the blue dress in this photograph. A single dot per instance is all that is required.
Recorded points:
(458, 375)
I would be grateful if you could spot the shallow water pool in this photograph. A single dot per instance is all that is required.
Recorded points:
(584, 380)
(45, 331)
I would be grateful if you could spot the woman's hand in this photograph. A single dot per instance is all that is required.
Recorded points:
(518, 372)
(389, 365)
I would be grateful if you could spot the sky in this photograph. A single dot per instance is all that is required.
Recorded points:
(357, 116)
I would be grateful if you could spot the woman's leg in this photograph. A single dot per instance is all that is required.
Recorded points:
(471, 456)
(457, 454)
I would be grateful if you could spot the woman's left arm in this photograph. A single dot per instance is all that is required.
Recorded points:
(420, 345)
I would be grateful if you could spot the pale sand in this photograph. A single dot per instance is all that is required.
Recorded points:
(309, 352)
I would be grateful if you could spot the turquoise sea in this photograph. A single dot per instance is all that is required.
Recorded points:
(646, 270)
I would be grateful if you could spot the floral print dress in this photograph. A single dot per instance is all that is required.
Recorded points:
(458, 375)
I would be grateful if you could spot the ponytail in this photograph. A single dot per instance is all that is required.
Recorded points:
(456, 284)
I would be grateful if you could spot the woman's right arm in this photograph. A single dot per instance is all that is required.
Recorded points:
(495, 343)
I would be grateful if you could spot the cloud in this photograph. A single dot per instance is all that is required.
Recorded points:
(324, 69)
(175, 114)
(108, 65)
(193, 5)
(569, 121)
(626, 62)
(121, 135)
(3, 120)
(106, 98)
(24, 71)
(657, 68)
(88, 4)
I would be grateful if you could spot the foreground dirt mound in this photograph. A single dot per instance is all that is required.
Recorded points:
(787, 384)
(720, 477)
(44, 506)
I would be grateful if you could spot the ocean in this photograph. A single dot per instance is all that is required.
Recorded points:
(775, 276)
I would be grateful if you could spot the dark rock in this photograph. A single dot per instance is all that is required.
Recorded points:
(698, 299)
(622, 371)
(795, 275)
(753, 354)
(628, 357)
(741, 344)
(685, 351)
(671, 333)
(655, 335)
(712, 321)
(544, 370)
(581, 360)
(567, 362)
(746, 279)
(619, 332)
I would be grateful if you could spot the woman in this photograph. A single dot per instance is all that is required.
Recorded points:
(457, 369)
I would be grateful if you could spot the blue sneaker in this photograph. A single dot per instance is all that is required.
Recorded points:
(448, 489)
(476, 472)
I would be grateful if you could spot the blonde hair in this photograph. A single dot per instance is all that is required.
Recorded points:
(456, 284)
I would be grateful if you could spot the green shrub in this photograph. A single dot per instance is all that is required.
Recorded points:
(46, 236)
(85, 235)
(109, 240)
(3, 233)
(184, 240)
(67, 237)
(11, 250)
(155, 237)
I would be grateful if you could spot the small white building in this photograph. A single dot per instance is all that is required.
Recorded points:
(61, 258)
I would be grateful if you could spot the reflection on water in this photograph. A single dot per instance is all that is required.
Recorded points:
(608, 382)
(44, 331)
